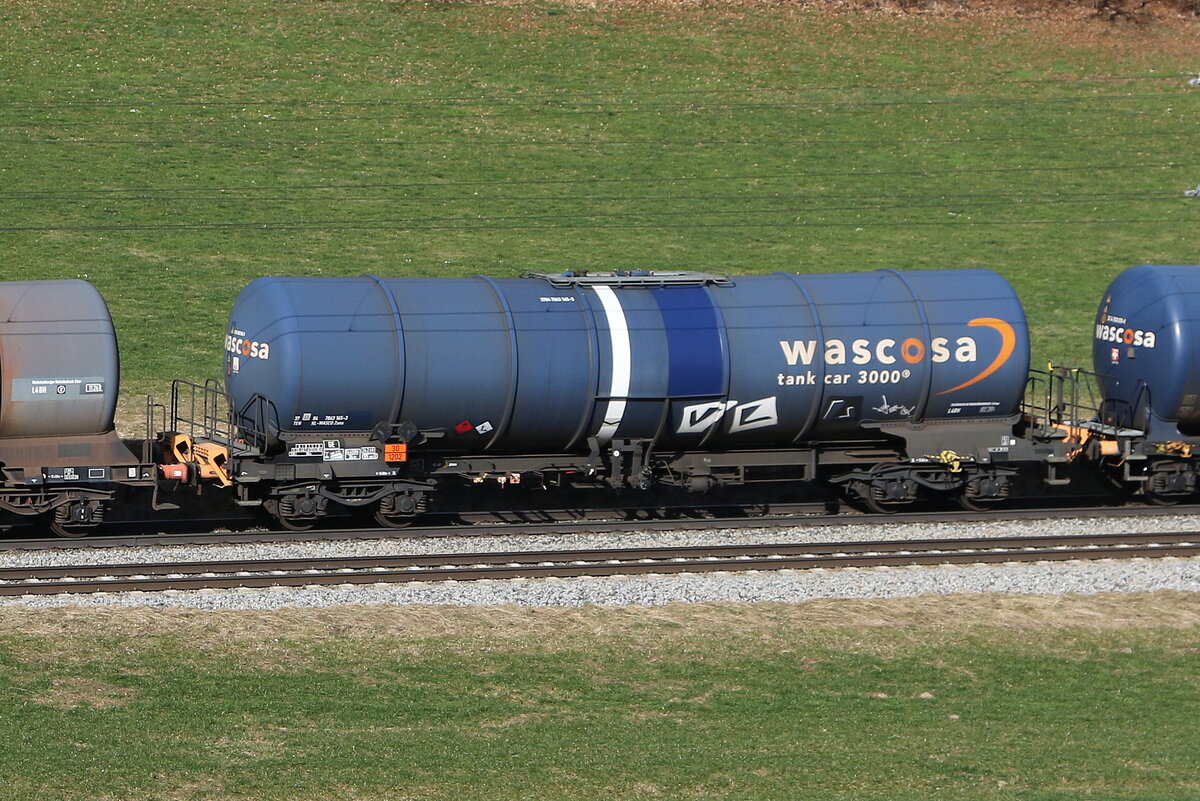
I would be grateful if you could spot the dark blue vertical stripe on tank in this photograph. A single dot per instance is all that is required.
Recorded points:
(693, 340)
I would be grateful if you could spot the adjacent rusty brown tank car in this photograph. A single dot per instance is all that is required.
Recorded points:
(60, 456)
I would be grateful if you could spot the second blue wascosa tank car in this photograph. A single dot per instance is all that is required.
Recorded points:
(1146, 352)
(382, 392)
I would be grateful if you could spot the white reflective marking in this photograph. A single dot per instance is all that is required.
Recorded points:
(700, 417)
(622, 362)
(755, 414)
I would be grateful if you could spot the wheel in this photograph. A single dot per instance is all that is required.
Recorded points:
(75, 519)
(877, 506)
(1168, 487)
(1154, 499)
(393, 520)
(983, 492)
(969, 504)
(883, 495)
(297, 512)
(297, 523)
(69, 530)
(398, 510)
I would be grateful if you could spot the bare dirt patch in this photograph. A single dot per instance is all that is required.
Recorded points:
(262, 634)
(74, 692)
(1110, 10)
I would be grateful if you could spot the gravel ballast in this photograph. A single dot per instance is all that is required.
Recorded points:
(1046, 578)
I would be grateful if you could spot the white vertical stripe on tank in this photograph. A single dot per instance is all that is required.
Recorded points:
(622, 362)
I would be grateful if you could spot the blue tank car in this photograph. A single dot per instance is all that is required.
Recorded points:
(1144, 349)
(379, 388)
(1148, 372)
(684, 360)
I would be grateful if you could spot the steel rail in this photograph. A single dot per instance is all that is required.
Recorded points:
(574, 563)
(592, 526)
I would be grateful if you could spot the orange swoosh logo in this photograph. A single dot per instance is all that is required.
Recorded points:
(1008, 343)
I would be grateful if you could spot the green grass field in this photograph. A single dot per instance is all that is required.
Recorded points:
(172, 152)
(1001, 698)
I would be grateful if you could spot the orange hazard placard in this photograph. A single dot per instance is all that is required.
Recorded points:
(395, 453)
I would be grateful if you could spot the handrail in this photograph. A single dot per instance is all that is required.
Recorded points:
(201, 411)
(639, 278)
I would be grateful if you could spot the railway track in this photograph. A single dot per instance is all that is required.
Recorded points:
(17, 581)
(795, 515)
